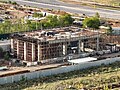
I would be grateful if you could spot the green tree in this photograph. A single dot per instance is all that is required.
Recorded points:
(66, 20)
(9, 2)
(91, 22)
(14, 3)
(37, 15)
(51, 21)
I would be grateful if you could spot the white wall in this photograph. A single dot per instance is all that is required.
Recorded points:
(43, 73)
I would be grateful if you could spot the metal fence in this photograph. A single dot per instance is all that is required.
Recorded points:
(43, 73)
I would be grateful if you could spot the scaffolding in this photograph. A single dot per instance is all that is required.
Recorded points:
(54, 43)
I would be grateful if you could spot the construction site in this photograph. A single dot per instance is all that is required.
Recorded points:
(59, 47)
(54, 45)
(48, 44)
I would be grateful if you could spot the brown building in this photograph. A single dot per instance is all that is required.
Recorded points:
(44, 45)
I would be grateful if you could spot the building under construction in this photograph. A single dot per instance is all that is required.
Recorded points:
(43, 45)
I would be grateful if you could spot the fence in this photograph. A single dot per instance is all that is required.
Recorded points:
(43, 73)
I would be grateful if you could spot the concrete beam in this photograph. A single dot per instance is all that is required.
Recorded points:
(12, 47)
(33, 51)
(17, 48)
(81, 46)
(65, 49)
(25, 56)
(38, 52)
(97, 44)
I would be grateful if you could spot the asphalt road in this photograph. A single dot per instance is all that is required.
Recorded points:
(72, 8)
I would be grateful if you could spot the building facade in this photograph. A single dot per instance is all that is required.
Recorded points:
(43, 45)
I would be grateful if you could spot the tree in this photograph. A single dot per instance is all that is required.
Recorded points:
(54, 21)
(37, 15)
(51, 21)
(91, 22)
(9, 2)
(14, 3)
(66, 20)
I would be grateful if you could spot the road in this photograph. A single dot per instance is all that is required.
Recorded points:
(72, 8)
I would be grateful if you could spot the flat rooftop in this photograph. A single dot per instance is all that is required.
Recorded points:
(57, 34)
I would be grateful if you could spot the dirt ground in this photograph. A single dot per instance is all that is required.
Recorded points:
(30, 69)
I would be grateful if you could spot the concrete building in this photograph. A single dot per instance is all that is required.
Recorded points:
(52, 44)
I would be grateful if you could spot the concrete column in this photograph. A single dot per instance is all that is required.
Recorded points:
(12, 47)
(65, 49)
(17, 48)
(25, 51)
(81, 47)
(38, 52)
(33, 52)
(60, 50)
(97, 43)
